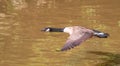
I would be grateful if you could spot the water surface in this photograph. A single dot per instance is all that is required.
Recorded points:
(23, 44)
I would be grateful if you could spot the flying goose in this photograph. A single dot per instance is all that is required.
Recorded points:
(77, 34)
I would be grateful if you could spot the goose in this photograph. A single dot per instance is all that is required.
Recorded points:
(78, 34)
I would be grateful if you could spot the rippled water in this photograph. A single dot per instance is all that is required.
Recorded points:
(23, 44)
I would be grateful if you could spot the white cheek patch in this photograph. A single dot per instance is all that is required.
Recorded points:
(48, 30)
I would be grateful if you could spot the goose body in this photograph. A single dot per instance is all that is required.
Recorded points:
(77, 34)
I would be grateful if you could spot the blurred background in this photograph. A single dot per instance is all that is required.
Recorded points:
(23, 44)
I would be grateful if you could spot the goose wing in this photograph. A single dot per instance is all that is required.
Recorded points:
(70, 43)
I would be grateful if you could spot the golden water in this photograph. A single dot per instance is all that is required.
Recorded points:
(23, 44)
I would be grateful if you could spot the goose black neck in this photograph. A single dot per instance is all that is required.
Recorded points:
(56, 29)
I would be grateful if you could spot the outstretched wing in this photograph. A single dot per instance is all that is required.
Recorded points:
(70, 43)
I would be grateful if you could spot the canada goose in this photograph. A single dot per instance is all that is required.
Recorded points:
(77, 34)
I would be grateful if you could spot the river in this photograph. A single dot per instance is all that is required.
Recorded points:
(23, 44)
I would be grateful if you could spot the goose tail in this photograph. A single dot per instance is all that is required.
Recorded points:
(100, 34)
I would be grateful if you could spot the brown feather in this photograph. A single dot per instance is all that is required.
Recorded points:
(72, 43)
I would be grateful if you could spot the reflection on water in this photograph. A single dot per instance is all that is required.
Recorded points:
(22, 43)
